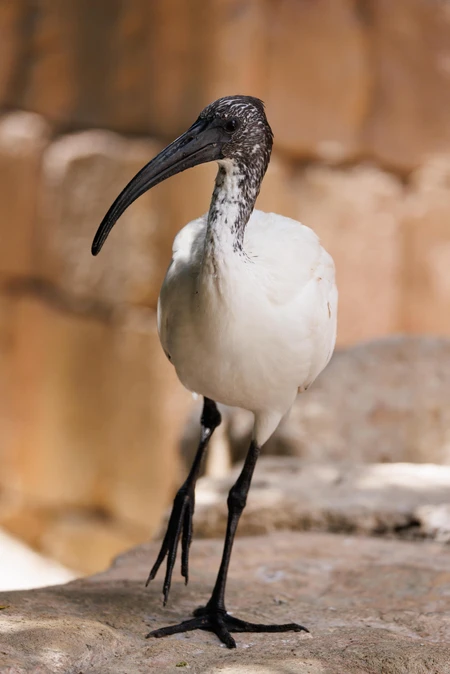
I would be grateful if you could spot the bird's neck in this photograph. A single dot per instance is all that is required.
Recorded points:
(235, 192)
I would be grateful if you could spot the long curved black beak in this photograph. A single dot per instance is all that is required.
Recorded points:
(201, 143)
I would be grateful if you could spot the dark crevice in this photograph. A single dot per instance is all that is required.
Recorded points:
(58, 299)
(96, 94)
(411, 529)
(364, 12)
(17, 86)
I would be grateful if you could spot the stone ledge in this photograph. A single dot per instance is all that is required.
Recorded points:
(372, 606)
(406, 500)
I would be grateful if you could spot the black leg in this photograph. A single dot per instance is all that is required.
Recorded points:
(237, 500)
(213, 616)
(180, 522)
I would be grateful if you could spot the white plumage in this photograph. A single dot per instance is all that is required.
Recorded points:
(249, 330)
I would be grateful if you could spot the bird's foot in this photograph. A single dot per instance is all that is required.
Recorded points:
(221, 623)
(180, 525)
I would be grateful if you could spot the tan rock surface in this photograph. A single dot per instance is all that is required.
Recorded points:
(356, 214)
(23, 138)
(89, 539)
(372, 606)
(88, 62)
(6, 332)
(235, 45)
(411, 96)
(107, 66)
(426, 226)
(210, 49)
(59, 362)
(278, 194)
(382, 401)
(319, 80)
(340, 79)
(10, 47)
(48, 82)
(93, 401)
(141, 463)
(112, 52)
(174, 99)
(82, 175)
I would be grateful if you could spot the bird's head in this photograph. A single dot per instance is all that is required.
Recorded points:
(245, 134)
(232, 129)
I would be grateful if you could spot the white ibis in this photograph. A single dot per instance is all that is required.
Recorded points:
(246, 315)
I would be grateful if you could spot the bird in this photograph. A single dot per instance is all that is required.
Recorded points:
(247, 315)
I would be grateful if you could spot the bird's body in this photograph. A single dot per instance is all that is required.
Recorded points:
(249, 329)
(247, 315)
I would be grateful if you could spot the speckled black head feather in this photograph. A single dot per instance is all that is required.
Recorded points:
(243, 119)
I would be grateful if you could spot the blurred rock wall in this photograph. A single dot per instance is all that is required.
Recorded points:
(358, 96)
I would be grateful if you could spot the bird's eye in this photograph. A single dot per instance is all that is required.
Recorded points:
(231, 125)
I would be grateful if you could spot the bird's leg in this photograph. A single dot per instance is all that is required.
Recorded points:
(180, 522)
(214, 617)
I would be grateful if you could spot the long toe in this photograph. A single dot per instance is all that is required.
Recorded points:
(237, 625)
(185, 626)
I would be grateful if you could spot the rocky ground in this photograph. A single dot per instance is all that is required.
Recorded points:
(373, 607)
